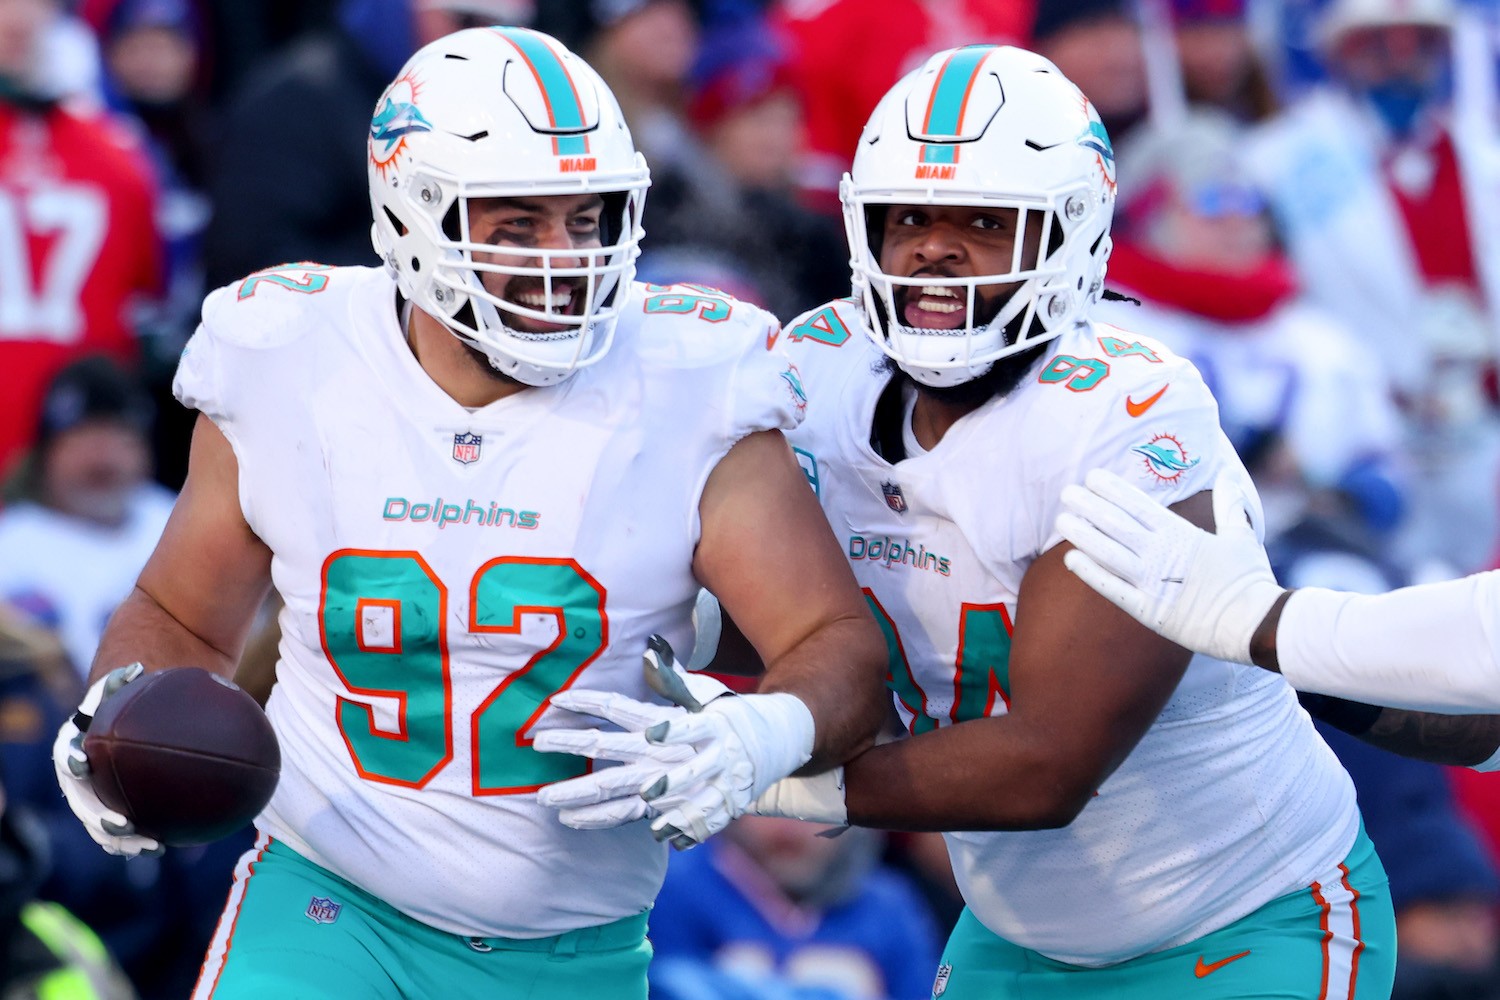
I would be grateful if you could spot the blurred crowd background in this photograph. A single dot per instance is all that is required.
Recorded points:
(1309, 207)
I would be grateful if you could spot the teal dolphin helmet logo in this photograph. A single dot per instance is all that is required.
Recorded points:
(394, 120)
(1095, 138)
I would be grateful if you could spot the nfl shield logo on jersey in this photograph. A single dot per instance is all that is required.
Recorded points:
(322, 910)
(466, 447)
(894, 498)
(940, 983)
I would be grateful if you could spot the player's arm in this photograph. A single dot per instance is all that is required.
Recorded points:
(733, 655)
(1429, 646)
(1086, 682)
(192, 606)
(767, 553)
(1434, 647)
(196, 598)
(1459, 740)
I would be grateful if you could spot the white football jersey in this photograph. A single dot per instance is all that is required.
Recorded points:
(1230, 800)
(447, 571)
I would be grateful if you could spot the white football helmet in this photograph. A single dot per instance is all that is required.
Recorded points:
(505, 112)
(990, 126)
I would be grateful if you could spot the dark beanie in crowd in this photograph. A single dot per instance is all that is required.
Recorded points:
(607, 12)
(1208, 11)
(738, 64)
(1053, 16)
(93, 388)
(174, 15)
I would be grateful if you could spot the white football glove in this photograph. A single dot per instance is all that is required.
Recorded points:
(608, 796)
(744, 745)
(1206, 592)
(817, 798)
(110, 829)
(611, 796)
(739, 746)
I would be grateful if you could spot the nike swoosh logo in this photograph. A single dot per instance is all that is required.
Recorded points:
(1200, 970)
(1136, 409)
(772, 332)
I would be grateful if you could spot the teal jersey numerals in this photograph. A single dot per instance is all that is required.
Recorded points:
(982, 670)
(503, 590)
(383, 619)
(708, 304)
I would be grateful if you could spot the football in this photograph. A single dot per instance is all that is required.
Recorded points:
(188, 756)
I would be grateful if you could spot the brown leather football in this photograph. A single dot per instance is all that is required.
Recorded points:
(187, 756)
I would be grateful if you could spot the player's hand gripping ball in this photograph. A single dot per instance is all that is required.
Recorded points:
(187, 756)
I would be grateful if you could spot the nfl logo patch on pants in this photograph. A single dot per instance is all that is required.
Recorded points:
(322, 910)
(940, 982)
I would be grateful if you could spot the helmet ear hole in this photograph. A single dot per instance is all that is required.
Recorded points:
(1055, 241)
(875, 227)
(451, 227)
(395, 222)
(614, 218)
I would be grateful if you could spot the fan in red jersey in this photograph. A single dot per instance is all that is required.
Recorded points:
(78, 237)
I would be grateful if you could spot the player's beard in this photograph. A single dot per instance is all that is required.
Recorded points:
(481, 360)
(482, 363)
(1002, 378)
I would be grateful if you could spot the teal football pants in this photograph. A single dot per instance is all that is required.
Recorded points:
(292, 929)
(1334, 940)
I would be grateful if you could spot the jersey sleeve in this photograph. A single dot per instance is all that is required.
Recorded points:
(763, 391)
(240, 365)
(1157, 426)
(197, 382)
(717, 362)
(716, 373)
(243, 326)
(766, 390)
(820, 343)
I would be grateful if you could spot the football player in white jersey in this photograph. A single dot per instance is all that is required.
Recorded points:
(480, 477)
(1122, 822)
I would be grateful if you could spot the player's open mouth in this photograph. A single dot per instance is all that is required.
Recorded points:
(565, 300)
(933, 307)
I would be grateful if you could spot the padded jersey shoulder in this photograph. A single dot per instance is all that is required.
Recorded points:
(278, 305)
